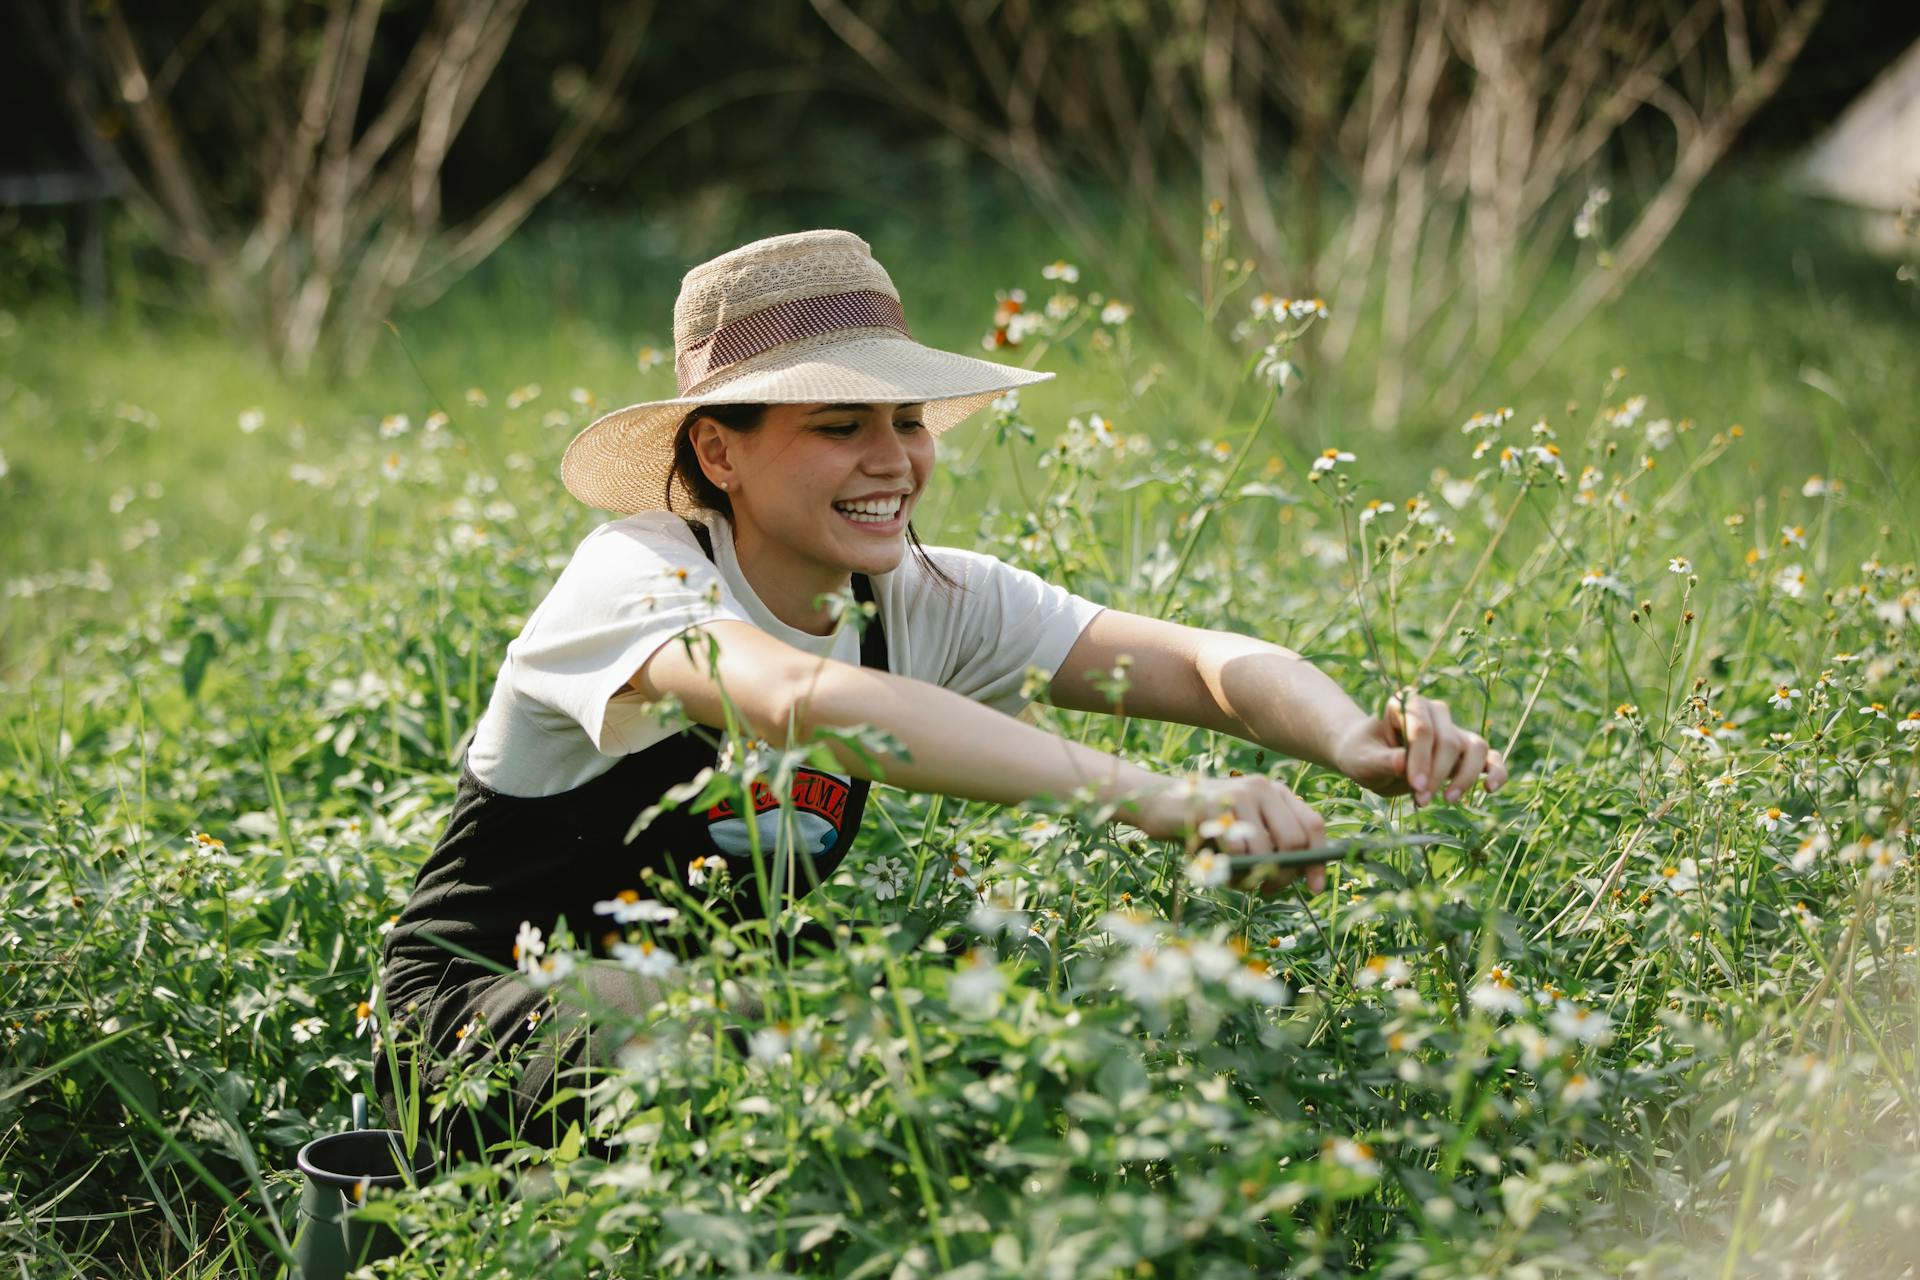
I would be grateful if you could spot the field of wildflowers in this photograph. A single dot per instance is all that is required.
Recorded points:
(1652, 1009)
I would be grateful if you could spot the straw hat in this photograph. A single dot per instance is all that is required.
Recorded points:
(807, 318)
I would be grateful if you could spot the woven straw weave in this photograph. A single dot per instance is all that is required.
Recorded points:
(849, 344)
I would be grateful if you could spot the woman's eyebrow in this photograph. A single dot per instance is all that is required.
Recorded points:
(855, 408)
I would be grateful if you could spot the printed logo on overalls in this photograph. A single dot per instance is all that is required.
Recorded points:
(819, 810)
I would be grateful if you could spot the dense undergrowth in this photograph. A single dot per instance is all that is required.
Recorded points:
(1652, 1007)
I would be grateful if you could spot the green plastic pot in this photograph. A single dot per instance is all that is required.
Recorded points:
(331, 1239)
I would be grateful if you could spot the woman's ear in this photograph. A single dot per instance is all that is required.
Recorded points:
(710, 449)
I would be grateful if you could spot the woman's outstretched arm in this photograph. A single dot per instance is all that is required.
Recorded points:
(957, 746)
(1264, 693)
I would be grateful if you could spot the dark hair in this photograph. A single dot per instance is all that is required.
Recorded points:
(746, 418)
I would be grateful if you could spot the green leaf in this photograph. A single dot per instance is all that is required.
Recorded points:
(193, 667)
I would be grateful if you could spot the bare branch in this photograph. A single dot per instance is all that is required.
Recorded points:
(1658, 219)
(491, 228)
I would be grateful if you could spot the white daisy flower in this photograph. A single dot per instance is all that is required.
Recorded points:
(1576, 1022)
(770, 1045)
(1681, 877)
(1496, 993)
(628, 907)
(1331, 458)
(528, 945)
(1579, 1090)
(1386, 972)
(466, 1034)
(1351, 1154)
(1486, 421)
(885, 878)
(1811, 847)
(644, 958)
(1599, 580)
(1255, 981)
(367, 1018)
(1134, 928)
(1150, 975)
(1536, 1047)
(977, 984)
(1883, 859)
(996, 912)
(548, 969)
(1208, 869)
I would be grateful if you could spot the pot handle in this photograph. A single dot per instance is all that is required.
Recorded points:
(359, 1111)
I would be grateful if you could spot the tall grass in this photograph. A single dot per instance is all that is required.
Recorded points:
(1651, 1008)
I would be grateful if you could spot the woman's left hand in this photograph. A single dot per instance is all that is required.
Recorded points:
(1416, 747)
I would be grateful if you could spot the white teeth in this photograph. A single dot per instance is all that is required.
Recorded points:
(881, 510)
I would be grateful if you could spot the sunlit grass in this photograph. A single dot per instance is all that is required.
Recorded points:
(1652, 1009)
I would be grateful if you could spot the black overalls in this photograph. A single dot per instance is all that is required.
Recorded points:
(504, 859)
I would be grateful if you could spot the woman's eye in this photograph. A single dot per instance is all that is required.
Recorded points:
(841, 431)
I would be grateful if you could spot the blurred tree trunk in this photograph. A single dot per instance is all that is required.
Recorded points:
(1466, 135)
(332, 212)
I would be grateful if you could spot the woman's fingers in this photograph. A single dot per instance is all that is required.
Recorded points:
(1281, 819)
(1418, 732)
(1473, 760)
(1447, 744)
(1314, 829)
(1295, 826)
(1442, 758)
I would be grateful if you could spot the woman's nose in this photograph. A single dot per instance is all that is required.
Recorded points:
(890, 456)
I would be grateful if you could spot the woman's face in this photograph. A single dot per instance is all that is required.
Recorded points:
(791, 479)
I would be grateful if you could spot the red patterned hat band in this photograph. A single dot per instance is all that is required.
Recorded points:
(785, 322)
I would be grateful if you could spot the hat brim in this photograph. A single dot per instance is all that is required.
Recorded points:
(622, 461)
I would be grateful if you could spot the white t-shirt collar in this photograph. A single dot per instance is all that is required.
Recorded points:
(729, 565)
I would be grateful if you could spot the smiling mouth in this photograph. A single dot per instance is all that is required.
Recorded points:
(878, 513)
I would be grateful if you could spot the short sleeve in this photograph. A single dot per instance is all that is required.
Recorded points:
(631, 586)
(1007, 620)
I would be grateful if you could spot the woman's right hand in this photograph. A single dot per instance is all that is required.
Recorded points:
(1238, 815)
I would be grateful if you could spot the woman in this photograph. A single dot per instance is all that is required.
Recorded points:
(781, 481)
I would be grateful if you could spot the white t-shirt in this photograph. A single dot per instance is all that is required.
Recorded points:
(561, 714)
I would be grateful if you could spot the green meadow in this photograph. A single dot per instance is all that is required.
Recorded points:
(1653, 1007)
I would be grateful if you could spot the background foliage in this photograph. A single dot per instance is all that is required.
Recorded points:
(1634, 1023)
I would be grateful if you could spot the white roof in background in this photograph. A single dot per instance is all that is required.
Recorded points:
(1871, 156)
